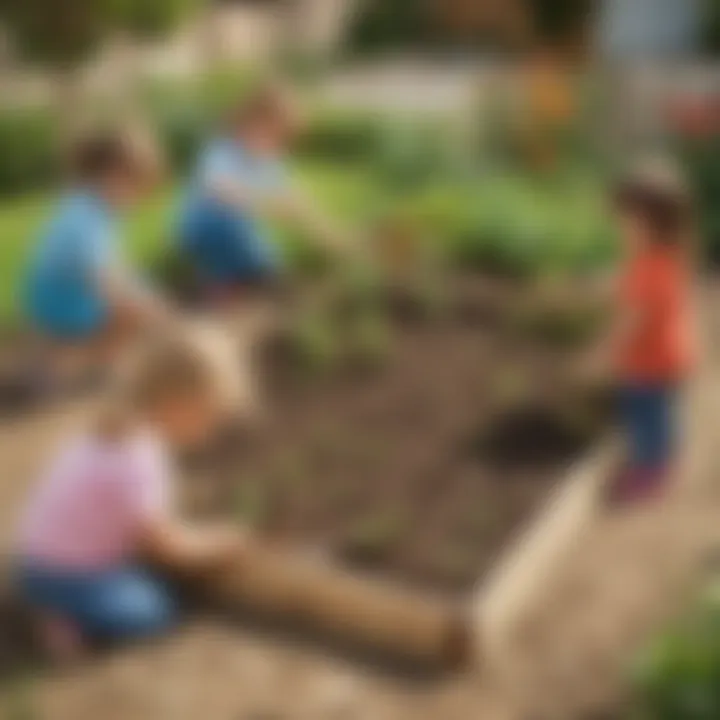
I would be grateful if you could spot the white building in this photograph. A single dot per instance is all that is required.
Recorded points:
(649, 28)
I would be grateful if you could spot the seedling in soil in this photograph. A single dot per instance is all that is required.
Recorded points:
(293, 471)
(434, 297)
(453, 563)
(582, 417)
(398, 247)
(510, 387)
(369, 450)
(328, 445)
(370, 341)
(477, 520)
(253, 504)
(372, 538)
(315, 344)
(418, 299)
(562, 327)
(18, 697)
(342, 490)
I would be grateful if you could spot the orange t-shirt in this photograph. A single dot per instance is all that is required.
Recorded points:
(655, 292)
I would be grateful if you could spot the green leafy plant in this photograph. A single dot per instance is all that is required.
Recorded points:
(700, 156)
(314, 343)
(372, 537)
(678, 676)
(63, 34)
(253, 503)
(341, 136)
(29, 148)
(510, 387)
(566, 326)
(453, 562)
(369, 340)
(150, 19)
(411, 155)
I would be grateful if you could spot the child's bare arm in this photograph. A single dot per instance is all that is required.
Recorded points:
(234, 193)
(184, 548)
(123, 291)
(301, 210)
(289, 205)
(599, 361)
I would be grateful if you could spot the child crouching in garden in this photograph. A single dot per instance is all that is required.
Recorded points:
(241, 182)
(653, 332)
(103, 512)
(80, 295)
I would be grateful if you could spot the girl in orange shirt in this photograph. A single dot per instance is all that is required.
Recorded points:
(653, 338)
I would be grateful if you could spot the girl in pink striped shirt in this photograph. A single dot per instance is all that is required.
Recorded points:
(103, 508)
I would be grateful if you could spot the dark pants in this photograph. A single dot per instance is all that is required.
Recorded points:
(647, 416)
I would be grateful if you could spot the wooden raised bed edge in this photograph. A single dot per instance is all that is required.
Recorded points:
(524, 571)
(400, 623)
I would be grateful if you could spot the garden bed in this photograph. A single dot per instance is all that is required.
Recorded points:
(420, 460)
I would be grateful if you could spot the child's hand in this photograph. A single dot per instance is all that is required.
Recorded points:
(594, 366)
(174, 544)
(227, 545)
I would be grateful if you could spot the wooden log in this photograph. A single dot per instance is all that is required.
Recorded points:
(366, 613)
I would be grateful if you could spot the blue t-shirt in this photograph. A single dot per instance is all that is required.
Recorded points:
(227, 240)
(61, 293)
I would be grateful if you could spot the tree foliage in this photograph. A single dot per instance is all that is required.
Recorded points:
(384, 24)
(389, 24)
(54, 32)
(150, 18)
(62, 33)
(712, 26)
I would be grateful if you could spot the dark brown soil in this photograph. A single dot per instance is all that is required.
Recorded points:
(422, 465)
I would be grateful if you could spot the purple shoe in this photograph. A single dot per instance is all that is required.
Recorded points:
(635, 485)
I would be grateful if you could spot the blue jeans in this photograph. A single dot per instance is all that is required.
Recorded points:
(647, 414)
(225, 248)
(116, 604)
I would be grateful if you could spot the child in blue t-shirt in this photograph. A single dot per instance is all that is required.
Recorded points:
(240, 182)
(79, 294)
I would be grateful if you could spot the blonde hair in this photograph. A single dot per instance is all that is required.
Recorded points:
(271, 101)
(160, 371)
(203, 359)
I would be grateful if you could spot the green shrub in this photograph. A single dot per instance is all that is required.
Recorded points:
(341, 136)
(314, 343)
(517, 226)
(372, 537)
(678, 676)
(702, 160)
(369, 340)
(567, 326)
(185, 112)
(29, 150)
(182, 129)
(413, 155)
(398, 148)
